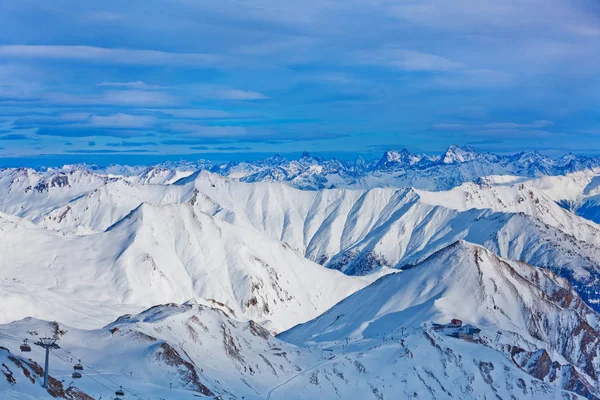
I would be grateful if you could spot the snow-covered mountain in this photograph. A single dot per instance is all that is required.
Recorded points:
(395, 168)
(187, 351)
(170, 253)
(355, 231)
(262, 246)
(535, 312)
(370, 345)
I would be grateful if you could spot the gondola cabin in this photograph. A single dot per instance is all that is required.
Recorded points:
(25, 346)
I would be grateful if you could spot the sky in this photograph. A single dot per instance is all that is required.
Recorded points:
(145, 81)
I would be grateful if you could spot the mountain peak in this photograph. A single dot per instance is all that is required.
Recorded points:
(393, 158)
(457, 155)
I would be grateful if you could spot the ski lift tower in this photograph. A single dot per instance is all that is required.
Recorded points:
(47, 343)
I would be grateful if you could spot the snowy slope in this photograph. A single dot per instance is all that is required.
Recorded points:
(421, 365)
(361, 231)
(578, 192)
(524, 197)
(403, 169)
(27, 192)
(358, 231)
(395, 168)
(83, 245)
(198, 351)
(170, 351)
(533, 308)
(100, 208)
(159, 175)
(172, 253)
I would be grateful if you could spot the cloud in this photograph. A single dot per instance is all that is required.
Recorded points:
(449, 127)
(131, 144)
(231, 148)
(33, 121)
(108, 151)
(14, 136)
(409, 60)
(77, 131)
(514, 125)
(131, 85)
(188, 142)
(490, 17)
(204, 131)
(233, 94)
(516, 133)
(500, 130)
(106, 55)
(494, 126)
(473, 66)
(473, 79)
(112, 98)
(87, 125)
(194, 113)
(122, 121)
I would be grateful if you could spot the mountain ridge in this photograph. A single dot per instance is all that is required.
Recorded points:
(451, 168)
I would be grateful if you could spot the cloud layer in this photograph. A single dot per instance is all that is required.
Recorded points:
(264, 76)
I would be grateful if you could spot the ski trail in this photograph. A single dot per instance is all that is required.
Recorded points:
(270, 392)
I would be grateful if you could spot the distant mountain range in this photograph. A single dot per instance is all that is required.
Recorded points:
(394, 168)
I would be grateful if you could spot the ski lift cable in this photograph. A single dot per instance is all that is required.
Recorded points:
(101, 374)
(3, 335)
(95, 380)
(86, 375)
(6, 336)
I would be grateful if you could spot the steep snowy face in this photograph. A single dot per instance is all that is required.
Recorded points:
(173, 253)
(532, 308)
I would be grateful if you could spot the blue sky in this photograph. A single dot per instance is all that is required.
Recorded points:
(142, 81)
